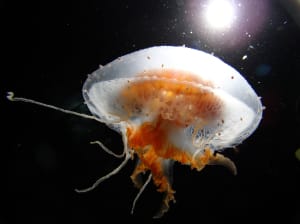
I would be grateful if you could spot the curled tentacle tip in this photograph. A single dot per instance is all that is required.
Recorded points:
(232, 168)
(10, 96)
(78, 191)
(84, 190)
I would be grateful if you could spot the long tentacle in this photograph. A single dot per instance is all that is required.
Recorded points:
(115, 171)
(128, 155)
(10, 96)
(108, 150)
(140, 192)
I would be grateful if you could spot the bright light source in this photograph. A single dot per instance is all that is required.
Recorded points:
(220, 14)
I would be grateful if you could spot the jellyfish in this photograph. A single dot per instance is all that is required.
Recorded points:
(169, 104)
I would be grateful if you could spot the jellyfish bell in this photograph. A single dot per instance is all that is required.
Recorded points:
(170, 104)
(156, 71)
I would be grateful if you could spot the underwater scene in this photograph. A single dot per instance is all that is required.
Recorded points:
(161, 111)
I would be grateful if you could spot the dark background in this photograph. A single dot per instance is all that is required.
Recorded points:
(51, 49)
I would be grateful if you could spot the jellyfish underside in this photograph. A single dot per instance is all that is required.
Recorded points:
(152, 110)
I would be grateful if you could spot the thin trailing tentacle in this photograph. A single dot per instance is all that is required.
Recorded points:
(128, 155)
(108, 150)
(100, 180)
(140, 192)
(10, 96)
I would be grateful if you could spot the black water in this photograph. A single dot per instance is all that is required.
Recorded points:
(51, 49)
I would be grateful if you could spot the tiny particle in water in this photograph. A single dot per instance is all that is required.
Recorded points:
(297, 154)
(263, 69)
(245, 57)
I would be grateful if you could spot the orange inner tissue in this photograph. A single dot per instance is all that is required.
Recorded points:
(173, 99)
